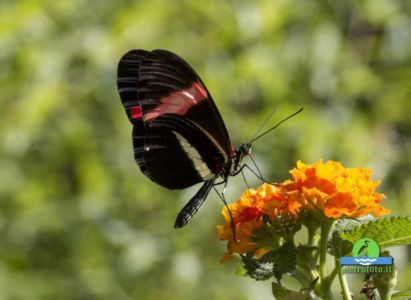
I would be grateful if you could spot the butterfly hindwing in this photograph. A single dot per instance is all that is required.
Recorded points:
(175, 152)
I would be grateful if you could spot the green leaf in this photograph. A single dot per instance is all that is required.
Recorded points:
(307, 257)
(306, 268)
(266, 236)
(272, 233)
(256, 269)
(241, 271)
(274, 263)
(284, 259)
(401, 295)
(279, 292)
(387, 232)
(337, 246)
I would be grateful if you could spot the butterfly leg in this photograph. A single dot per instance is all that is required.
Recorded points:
(245, 180)
(259, 176)
(222, 197)
(224, 188)
(258, 170)
(219, 183)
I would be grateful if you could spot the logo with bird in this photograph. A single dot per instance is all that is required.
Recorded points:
(366, 251)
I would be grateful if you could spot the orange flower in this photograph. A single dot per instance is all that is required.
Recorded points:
(327, 189)
(337, 191)
(247, 215)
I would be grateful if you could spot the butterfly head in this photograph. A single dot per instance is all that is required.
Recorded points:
(243, 150)
(239, 153)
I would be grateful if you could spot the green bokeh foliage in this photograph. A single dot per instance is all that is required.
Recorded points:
(77, 218)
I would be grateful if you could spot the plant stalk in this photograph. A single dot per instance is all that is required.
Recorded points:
(344, 285)
(325, 231)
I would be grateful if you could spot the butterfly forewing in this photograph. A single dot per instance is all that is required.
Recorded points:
(128, 78)
(169, 85)
(179, 137)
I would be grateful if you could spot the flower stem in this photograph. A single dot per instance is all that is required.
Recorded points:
(344, 284)
(333, 274)
(311, 235)
(325, 231)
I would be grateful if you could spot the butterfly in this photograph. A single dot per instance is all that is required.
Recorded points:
(179, 136)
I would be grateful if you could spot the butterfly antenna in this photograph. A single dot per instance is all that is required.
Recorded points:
(265, 122)
(276, 125)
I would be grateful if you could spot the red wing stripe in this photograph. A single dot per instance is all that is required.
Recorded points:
(179, 102)
(135, 112)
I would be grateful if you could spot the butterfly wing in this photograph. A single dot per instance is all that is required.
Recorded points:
(175, 152)
(168, 84)
(179, 137)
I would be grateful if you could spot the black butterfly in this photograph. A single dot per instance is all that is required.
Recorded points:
(179, 137)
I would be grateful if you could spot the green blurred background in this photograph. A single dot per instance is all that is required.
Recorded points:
(78, 220)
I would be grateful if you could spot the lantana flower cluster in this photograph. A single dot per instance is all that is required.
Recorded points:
(323, 190)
